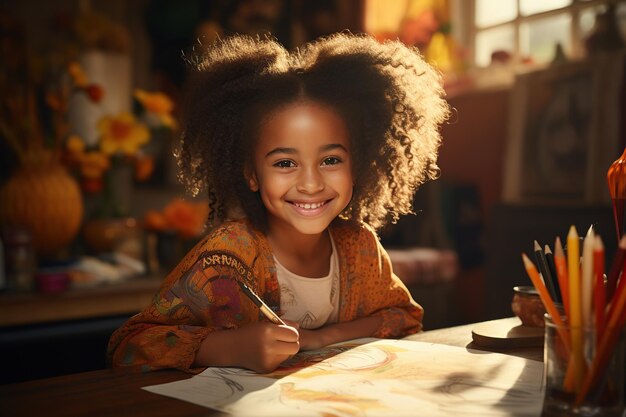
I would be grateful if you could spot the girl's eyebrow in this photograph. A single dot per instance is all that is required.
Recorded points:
(291, 151)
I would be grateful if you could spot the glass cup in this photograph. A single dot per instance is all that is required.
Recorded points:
(564, 375)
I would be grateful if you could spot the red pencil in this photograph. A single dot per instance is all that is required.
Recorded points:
(599, 298)
(616, 318)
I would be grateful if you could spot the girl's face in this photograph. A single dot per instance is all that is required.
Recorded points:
(302, 168)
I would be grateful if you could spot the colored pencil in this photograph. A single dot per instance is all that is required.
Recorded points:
(533, 274)
(542, 264)
(573, 266)
(267, 312)
(599, 298)
(616, 319)
(586, 278)
(560, 264)
(552, 268)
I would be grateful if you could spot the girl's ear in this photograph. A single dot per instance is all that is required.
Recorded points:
(251, 179)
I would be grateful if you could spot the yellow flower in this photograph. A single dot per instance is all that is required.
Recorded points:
(157, 103)
(122, 133)
(93, 164)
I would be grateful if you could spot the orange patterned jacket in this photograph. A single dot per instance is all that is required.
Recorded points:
(200, 295)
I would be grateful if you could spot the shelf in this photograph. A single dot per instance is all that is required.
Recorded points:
(128, 297)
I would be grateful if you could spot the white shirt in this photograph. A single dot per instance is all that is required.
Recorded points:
(311, 302)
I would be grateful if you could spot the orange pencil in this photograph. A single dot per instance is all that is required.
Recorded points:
(599, 296)
(560, 264)
(533, 274)
(616, 319)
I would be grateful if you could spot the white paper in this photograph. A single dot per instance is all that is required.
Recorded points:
(373, 377)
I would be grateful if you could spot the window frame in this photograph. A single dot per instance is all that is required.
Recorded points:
(466, 30)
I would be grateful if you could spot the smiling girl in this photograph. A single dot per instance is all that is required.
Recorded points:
(304, 156)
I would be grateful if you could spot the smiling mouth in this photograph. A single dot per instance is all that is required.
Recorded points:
(310, 206)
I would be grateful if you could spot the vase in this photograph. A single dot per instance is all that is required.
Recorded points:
(47, 201)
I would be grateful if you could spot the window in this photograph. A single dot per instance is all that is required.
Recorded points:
(528, 29)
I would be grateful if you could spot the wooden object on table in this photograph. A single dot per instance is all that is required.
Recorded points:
(118, 393)
(507, 333)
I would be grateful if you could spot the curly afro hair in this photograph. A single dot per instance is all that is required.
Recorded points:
(391, 100)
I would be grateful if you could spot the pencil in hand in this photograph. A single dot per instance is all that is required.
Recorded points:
(267, 312)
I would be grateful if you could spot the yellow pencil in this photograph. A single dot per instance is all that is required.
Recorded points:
(573, 267)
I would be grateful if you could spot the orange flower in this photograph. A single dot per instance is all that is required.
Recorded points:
(75, 145)
(79, 78)
(157, 103)
(144, 166)
(186, 218)
(93, 164)
(154, 220)
(122, 133)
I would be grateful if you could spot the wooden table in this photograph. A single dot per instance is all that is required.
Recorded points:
(118, 393)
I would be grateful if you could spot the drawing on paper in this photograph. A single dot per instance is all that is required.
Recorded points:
(370, 378)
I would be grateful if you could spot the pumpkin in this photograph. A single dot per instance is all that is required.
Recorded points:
(47, 201)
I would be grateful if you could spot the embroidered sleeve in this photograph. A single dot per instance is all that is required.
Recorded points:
(190, 305)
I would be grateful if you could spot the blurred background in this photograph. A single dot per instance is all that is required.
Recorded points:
(93, 217)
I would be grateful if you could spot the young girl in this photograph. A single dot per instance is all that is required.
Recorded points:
(304, 156)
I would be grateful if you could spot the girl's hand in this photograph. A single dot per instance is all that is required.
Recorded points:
(309, 339)
(260, 347)
(263, 346)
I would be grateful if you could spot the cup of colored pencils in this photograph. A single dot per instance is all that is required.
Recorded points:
(584, 348)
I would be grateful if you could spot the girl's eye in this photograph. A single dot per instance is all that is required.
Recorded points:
(284, 164)
(331, 160)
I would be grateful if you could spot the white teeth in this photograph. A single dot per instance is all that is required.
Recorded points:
(309, 206)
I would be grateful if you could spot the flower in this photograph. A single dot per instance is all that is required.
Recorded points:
(122, 133)
(185, 218)
(122, 141)
(159, 104)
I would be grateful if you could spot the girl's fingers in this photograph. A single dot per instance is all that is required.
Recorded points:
(286, 334)
(293, 324)
(285, 348)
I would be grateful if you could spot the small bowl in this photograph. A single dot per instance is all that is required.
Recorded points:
(52, 282)
(527, 306)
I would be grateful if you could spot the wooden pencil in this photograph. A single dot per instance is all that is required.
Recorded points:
(533, 274)
(586, 278)
(616, 319)
(542, 264)
(573, 267)
(560, 264)
(599, 298)
(552, 268)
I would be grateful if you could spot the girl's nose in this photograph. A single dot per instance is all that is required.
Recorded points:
(310, 181)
